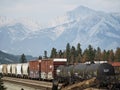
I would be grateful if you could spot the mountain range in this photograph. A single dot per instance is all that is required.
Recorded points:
(81, 25)
(10, 58)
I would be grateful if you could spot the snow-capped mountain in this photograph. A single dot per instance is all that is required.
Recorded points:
(82, 25)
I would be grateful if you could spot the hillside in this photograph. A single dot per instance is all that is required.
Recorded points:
(9, 58)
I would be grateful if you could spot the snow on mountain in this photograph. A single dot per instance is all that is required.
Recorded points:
(27, 22)
(5, 20)
(81, 25)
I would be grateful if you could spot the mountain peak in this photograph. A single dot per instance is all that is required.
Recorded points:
(82, 10)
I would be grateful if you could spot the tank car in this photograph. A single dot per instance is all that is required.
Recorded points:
(103, 72)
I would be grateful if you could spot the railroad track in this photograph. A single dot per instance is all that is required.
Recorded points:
(30, 83)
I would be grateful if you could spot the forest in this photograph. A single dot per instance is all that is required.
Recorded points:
(77, 55)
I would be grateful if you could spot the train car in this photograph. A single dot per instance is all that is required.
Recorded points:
(1, 70)
(14, 70)
(1, 75)
(62, 76)
(9, 69)
(35, 69)
(25, 70)
(4, 69)
(19, 70)
(116, 66)
(49, 66)
(103, 72)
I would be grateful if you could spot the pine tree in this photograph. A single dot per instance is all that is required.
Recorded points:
(104, 55)
(40, 57)
(111, 56)
(98, 54)
(73, 55)
(23, 59)
(91, 53)
(60, 54)
(117, 55)
(85, 56)
(68, 52)
(45, 54)
(53, 53)
(79, 53)
(2, 85)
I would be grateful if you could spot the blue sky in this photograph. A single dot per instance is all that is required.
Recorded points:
(46, 10)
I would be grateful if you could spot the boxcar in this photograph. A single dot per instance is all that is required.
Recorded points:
(19, 70)
(14, 70)
(35, 69)
(49, 66)
(25, 70)
(9, 69)
(116, 66)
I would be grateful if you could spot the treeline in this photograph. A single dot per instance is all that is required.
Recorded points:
(76, 55)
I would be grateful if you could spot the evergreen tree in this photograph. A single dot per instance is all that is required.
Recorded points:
(45, 54)
(60, 54)
(68, 52)
(91, 53)
(111, 56)
(98, 54)
(79, 50)
(79, 53)
(40, 57)
(73, 55)
(104, 55)
(85, 56)
(23, 59)
(117, 55)
(2, 85)
(53, 53)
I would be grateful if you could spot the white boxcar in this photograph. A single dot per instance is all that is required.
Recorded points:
(9, 69)
(1, 68)
(19, 70)
(25, 69)
(14, 70)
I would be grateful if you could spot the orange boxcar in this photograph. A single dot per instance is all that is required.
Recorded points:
(49, 66)
(35, 69)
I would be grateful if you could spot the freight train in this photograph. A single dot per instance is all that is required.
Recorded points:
(58, 70)
(44, 69)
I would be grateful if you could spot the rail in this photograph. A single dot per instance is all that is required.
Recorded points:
(30, 83)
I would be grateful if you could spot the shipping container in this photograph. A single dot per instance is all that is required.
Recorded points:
(5, 69)
(9, 69)
(35, 69)
(49, 66)
(19, 70)
(25, 69)
(14, 69)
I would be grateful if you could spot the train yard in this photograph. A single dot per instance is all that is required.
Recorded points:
(48, 74)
